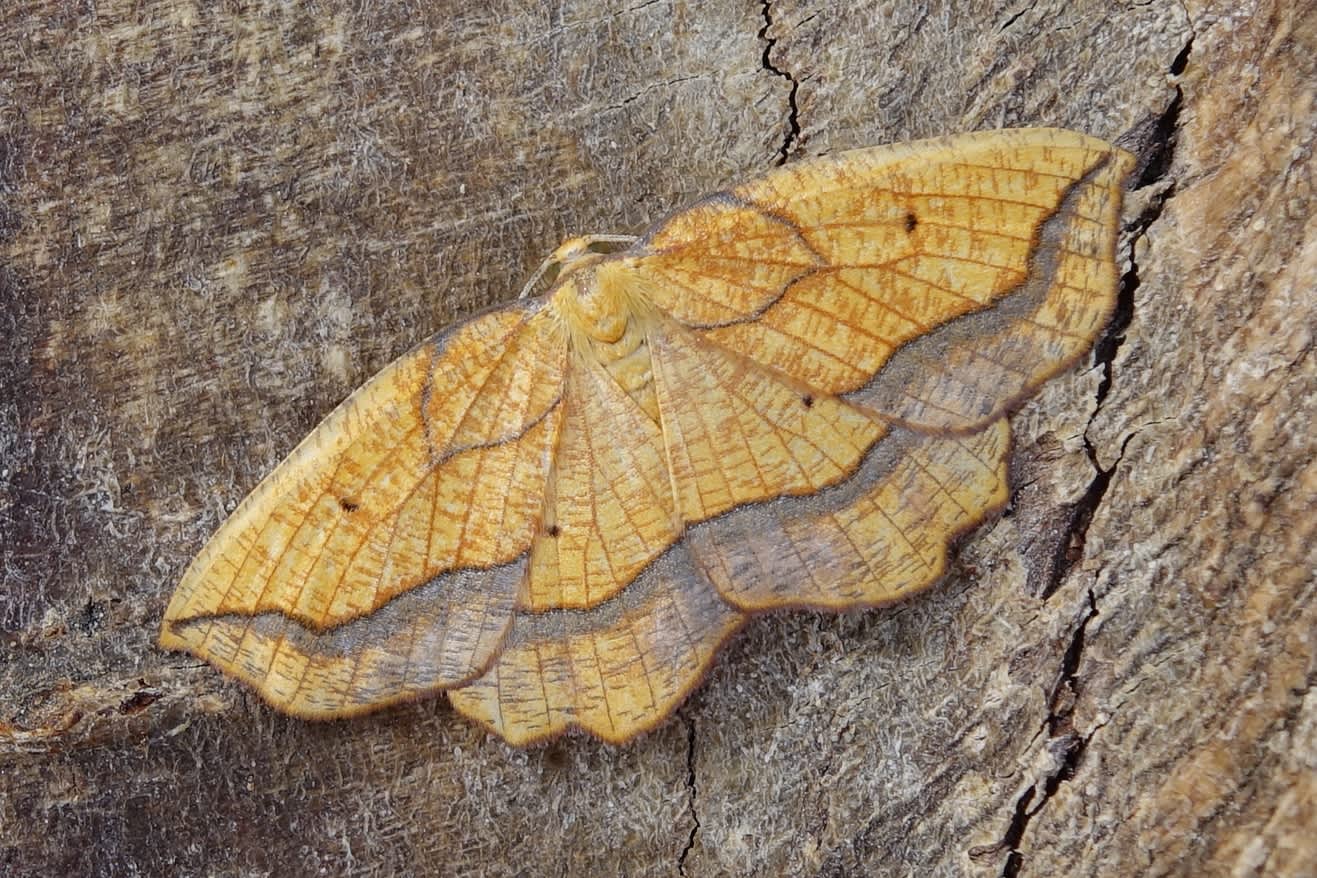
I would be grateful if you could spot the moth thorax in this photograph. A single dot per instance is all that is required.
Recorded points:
(600, 311)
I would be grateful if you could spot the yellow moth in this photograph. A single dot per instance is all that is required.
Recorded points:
(793, 393)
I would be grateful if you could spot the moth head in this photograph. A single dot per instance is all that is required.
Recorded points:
(573, 255)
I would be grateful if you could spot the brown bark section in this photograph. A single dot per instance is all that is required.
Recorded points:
(217, 219)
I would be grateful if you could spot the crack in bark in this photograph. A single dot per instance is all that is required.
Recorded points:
(1153, 169)
(1067, 746)
(690, 792)
(1029, 7)
(630, 99)
(1061, 702)
(766, 62)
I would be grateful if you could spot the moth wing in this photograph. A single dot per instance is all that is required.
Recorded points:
(880, 536)
(382, 558)
(615, 670)
(938, 282)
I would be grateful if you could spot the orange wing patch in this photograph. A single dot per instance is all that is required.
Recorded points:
(794, 393)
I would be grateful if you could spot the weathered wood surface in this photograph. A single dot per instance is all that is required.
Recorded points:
(217, 219)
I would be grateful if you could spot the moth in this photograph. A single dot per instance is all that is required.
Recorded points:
(793, 393)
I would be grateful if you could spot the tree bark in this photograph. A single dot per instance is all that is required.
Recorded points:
(218, 219)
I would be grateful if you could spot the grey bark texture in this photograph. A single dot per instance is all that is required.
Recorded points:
(216, 219)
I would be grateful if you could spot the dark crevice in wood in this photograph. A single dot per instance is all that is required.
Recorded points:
(1016, 17)
(1182, 60)
(691, 793)
(1066, 745)
(1060, 704)
(1015, 832)
(1156, 162)
(1154, 168)
(793, 109)
(1069, 549)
